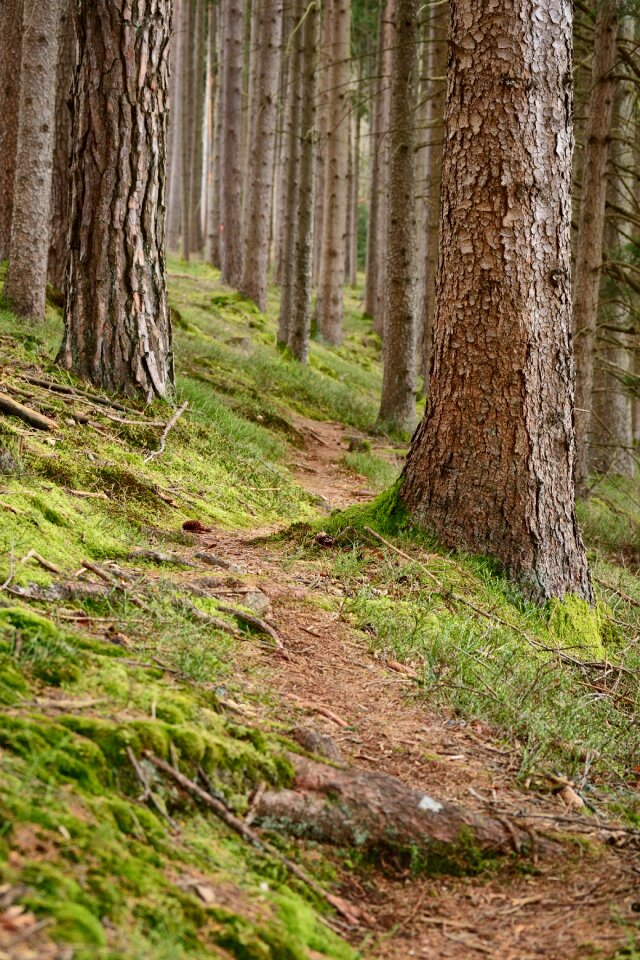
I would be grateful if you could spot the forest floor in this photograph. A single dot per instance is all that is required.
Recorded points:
(465, 692)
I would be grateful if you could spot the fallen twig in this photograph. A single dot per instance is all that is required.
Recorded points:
(7, 582)
(34, 555)
(261, 625)
(76, 392)
(207, 618)
(12, 509)
(349, 912)
(157, 557)
(323, 711)
(165, 433)
(148, 794)
(26, 414)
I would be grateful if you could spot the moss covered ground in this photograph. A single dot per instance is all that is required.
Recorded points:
(87, 683)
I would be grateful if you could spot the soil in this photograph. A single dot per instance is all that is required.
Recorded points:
(578, 905)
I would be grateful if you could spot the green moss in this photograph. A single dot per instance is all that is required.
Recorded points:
(577, 626)
(386, 514)
(75, 924)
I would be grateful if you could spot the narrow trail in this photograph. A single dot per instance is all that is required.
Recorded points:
(577, 907)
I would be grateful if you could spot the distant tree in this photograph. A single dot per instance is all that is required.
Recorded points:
(588, 267)
(59, 229)
(174, 142)
(230, 158)
(10, 60)
(491, 468)
(256, 227)
(26, 283)
(198, 57)
(186, 31)
(398, 403)
(117, 329)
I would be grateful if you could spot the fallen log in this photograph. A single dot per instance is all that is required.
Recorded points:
(26, 414)
(378, 813)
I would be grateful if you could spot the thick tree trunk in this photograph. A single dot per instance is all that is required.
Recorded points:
(591, 223)
(334, 219)
(491, 467)
(117, 329)
(198, 96)
(10, 63)
(291, 151)
(26, 283)
(299, 323)
(257, 204)
(187, 35)
(59, 229)
(398, 404)
(174, 147)
(612, 426)
(230, 197)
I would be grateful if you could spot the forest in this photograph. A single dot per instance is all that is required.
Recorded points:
(319, 479)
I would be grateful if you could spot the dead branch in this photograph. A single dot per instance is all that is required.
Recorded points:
(260, 625)
(26, 414)
(165, 433)
(75, 392)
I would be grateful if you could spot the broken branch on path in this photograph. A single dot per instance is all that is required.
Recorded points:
(26, 414)
(348, 911)
(165, 433)
(260, 625)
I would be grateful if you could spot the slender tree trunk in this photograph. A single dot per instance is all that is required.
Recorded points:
(199, 57)
(286, 96)
(334, 221)
(321, 150)
(215, 239)
(591, 222)
(375, 192)
(117, 328)
(174, 149)
(213, 183)
(299, 324)
(352, 274)
(26, 283)
(231, 169)
(187, 36)
(292, 153)
(383, 176)
(398, 404)
(612, 416)
(435, 90)
(59, 206)
(257, 206)
(10, 64)
(491, 467)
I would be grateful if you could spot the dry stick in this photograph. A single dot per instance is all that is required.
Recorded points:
(76, 392)
(618, 592)
(254, 622)
(15, 409)
(241, 828)
(7, 583)
(216, 622)
(148, 792)
(51, 567)
(165, 433)
(7, 506)
(114, 583)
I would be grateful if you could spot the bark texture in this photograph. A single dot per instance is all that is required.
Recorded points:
(334, 218)
(491, 467)
(231, 162)
(398, 405)
(26, 283)
(187, 112)
(591, 222)
(198, 99)
(174, 147)
(299, 323)
(117, 328)
(10, 63)
(260, 165)
(59, 229)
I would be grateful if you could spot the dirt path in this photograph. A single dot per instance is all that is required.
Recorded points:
(580, 906)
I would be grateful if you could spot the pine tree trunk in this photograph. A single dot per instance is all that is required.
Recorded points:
(214, 240)
(187, 36)
(10, 62)
(199, 58)
(436, 66)
(591, 223)
(291, 151)
(612, 426)
(257, 204)
(299, 323)
(491, 466)
(398, 404)
(286, 104)
(174, 143)
(231, 169)
(26, 283)
(117, 329)
(334, 219)
(321, 150)
(59, 223)
(352, 273)
(213, 183)
(375, 193)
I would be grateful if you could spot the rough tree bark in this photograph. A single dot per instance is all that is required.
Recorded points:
(214, 242)
(491, 467)
(26, 283)
(10, 60)
(231, 168)
(300, 319)
(212, 184)
(117, 328)
(588, 264)
(174, 143)
(187, 35)
(290, 151)
(257, 204)
(198, 97)
(59, 223)
(376, 162)
(398, 403)
(321, 148)
(334, 219)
